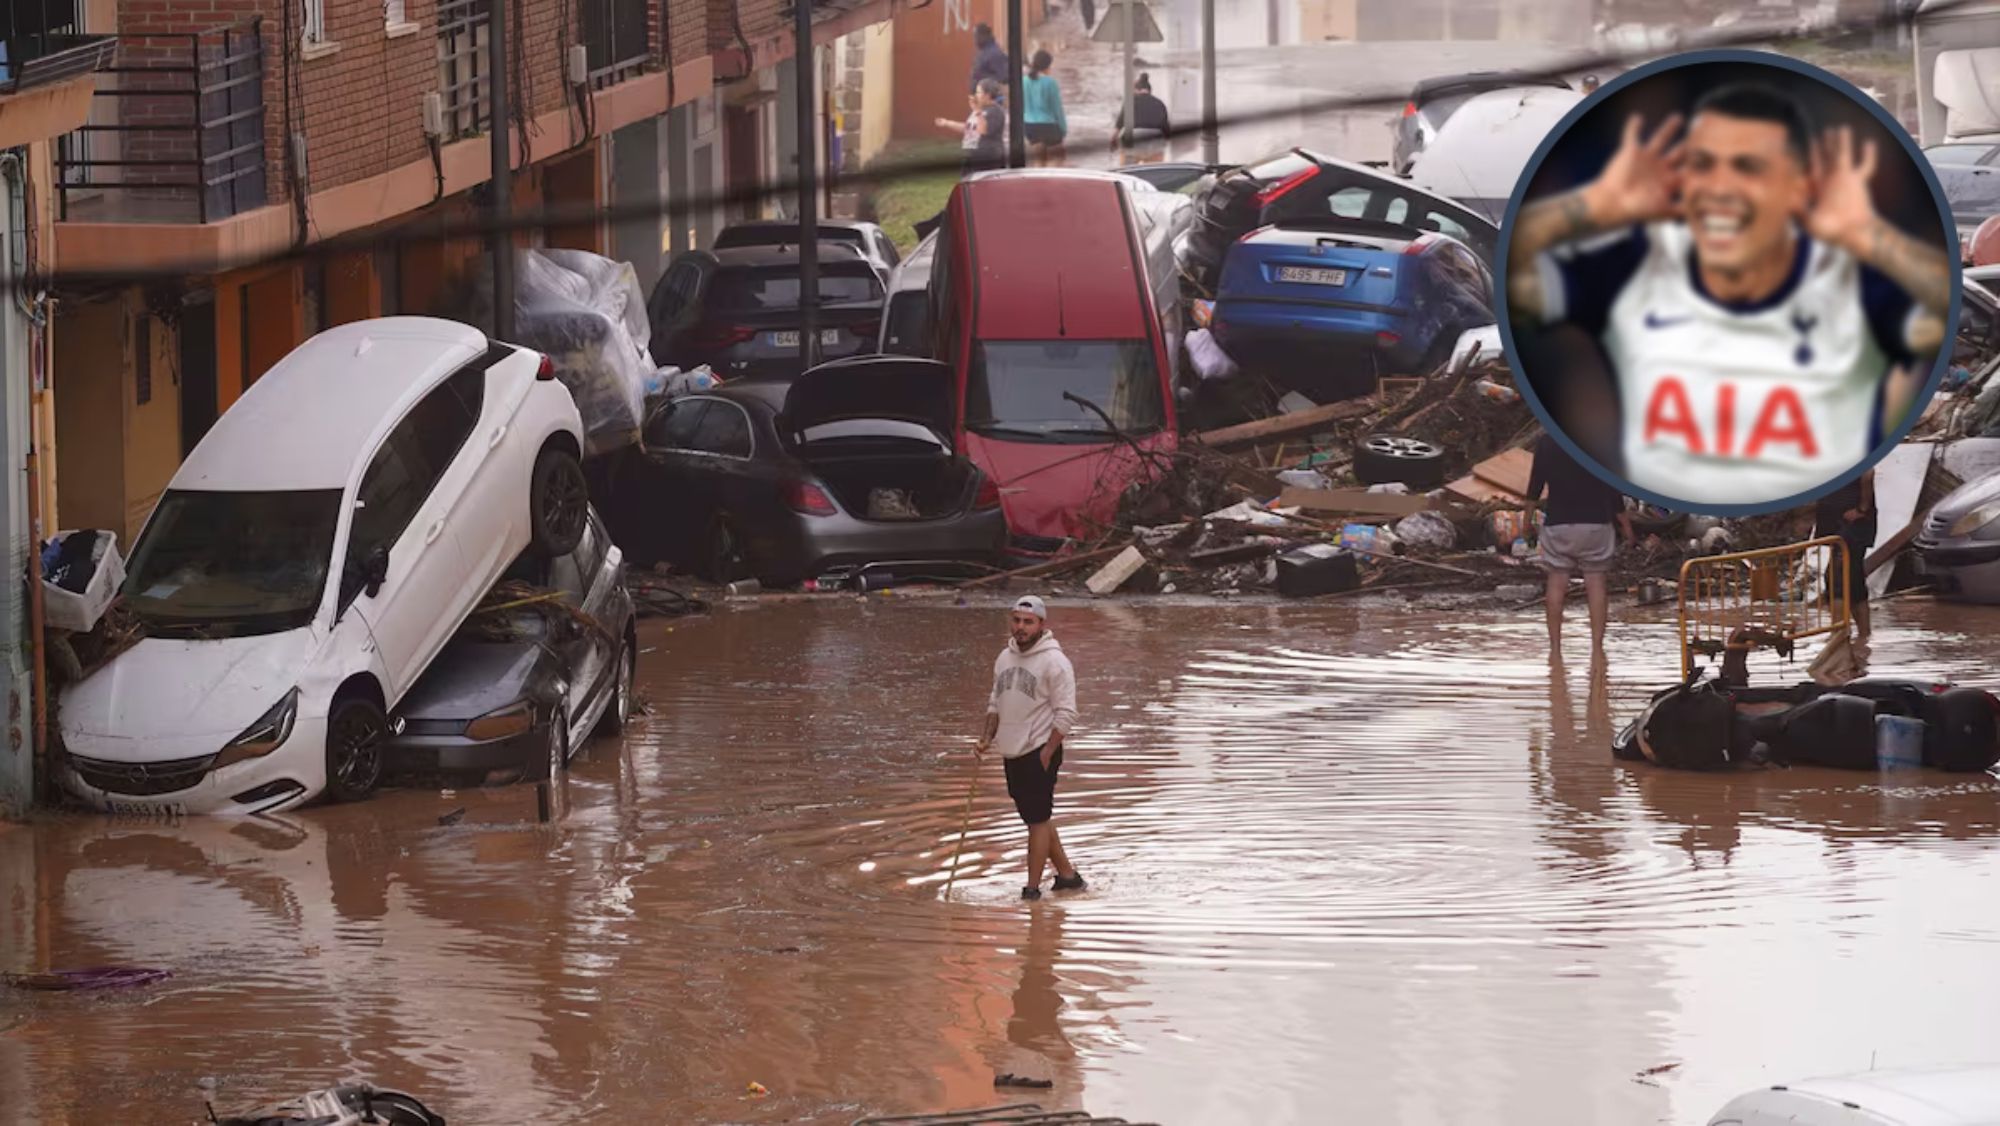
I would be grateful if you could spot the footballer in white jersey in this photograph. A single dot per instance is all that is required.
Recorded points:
(1763, 323)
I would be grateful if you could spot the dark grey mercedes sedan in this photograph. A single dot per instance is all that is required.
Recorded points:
(529, 677)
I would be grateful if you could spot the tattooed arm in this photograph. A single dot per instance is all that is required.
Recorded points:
(1637, 186)
(1844, 215)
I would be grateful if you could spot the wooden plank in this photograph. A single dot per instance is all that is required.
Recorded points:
(1351, 500)
(1113, 574)
(1479, 492)
(1508, 469)
(1065, 563)
(1287, 425)
(1234, 553)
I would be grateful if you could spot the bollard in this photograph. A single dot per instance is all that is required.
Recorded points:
(542, 804)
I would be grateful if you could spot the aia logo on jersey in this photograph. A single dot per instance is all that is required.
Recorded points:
(1778, 419)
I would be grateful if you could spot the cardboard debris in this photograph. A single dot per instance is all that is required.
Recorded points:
(1479, 492)
(1353, 500)
(1508, 469)
(1115, 573)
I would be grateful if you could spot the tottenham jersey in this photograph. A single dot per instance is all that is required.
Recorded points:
(1734, 402)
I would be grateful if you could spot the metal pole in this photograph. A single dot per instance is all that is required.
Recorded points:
(808, 133)
(1017, 110)
(1125, 7)
(1211, 137)
(501, 185)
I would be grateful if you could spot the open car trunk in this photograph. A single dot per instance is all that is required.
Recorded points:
(877, 431)
(891, 487)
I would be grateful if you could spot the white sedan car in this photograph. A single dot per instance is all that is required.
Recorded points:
(317, 549)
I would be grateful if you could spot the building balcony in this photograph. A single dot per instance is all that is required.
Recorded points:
(176, 132)
(46, 70)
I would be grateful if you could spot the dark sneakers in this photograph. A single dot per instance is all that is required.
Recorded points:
(1031, 893)
(1070, 883)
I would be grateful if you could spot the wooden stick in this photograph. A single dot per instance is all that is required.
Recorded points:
(1044, 568)
(964, 823)
(1401, 584)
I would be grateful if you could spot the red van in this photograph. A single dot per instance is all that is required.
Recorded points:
(1043, 302)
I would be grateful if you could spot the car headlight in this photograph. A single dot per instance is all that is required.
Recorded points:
(264, 736)
(501, 723)
(1976, 519)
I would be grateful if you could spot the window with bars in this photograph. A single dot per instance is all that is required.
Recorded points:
(462, 65)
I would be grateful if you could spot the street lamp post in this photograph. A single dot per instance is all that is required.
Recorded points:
(802, 60)
(501, 242)
(1017, 110)
(1211, 137)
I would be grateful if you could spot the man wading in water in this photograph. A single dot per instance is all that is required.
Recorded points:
(1032, 708)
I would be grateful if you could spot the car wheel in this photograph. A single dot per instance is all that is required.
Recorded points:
(354, 734)
(1383, 459)
(619, 710)
(555, 758)
(558, 502)
(724, 555)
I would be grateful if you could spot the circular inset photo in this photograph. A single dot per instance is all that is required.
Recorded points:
(1726, 282)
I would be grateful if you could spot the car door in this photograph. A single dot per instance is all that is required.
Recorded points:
(404, 505)
(655, 511)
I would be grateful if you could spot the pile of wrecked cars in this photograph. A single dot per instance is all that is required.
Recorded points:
(292, 610)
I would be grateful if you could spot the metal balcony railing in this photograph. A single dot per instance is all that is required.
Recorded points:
(177, 132)
(41, 42)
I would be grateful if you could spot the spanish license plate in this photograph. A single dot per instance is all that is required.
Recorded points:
(145, 810)
(827, 338)
(1312, 275)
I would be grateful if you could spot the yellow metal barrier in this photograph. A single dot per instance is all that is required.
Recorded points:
(1795, 591)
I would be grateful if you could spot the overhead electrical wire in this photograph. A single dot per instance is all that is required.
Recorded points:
(447, 228)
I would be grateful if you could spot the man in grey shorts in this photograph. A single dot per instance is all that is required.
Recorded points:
(1580, 527)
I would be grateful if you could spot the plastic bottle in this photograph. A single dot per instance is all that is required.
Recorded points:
(1498, 392)
(745, 586)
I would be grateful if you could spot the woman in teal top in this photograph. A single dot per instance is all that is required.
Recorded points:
(1042, 112)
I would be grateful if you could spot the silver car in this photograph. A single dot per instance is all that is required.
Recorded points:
(1959, 546)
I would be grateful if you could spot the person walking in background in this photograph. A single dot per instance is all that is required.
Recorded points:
(983, 133)
(1042, 112)
(1849, 512)
(1580, 527)
(989, 61)
(1145, 142)
(1028, 716)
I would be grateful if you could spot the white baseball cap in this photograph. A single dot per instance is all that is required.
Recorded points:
(1029, 604)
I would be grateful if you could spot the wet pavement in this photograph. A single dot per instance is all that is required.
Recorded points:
(1348, 862)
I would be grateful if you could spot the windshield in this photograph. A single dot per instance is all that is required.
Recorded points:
(781, 235)
(216, 564)
(753, 290)
(1015, 389)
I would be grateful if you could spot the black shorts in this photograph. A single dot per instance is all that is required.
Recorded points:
(1860, 537)
(1044, 133)
(1032, 788)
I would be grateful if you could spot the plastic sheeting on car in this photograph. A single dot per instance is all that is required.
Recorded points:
(588, 315)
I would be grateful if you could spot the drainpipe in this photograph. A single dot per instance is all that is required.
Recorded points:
(38, 772)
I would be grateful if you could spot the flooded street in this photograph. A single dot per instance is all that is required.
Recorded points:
(1348, 862)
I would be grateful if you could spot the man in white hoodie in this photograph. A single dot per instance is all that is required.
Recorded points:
(1031, 710)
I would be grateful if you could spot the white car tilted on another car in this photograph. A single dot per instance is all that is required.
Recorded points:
(316, 550)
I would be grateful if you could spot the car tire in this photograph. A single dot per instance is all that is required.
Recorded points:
(619, 711)
(558, 502)
(355, 730)
(555, 747)
(722, 553)
(1385, 459)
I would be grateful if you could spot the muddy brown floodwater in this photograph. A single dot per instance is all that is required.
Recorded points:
(1348, 863)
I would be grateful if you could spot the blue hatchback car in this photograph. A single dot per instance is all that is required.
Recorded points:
(1327, 306)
